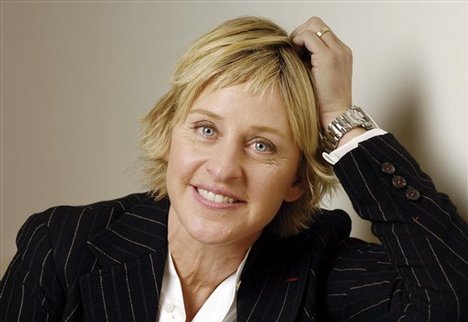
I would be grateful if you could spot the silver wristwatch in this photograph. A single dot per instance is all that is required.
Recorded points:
(352, 118)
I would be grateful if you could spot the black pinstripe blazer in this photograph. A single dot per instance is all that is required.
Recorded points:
(105, 262)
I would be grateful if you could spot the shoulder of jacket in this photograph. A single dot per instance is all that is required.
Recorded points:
(328, 229)
(62, 221)
(331, 224)
(100, 208)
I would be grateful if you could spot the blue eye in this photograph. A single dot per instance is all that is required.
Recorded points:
(207, 131)
(263, 147)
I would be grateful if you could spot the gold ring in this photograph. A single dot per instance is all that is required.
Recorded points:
(322, 31)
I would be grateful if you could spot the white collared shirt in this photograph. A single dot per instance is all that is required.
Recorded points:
(219, 307)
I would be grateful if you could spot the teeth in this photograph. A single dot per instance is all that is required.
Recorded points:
(215, 197)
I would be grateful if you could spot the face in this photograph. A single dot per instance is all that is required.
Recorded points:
(231, 164)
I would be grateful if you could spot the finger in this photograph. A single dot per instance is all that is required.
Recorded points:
(316, 25)
(310, 41)
(331, 40)
(324, 33)
(313, 23)
(298, 30)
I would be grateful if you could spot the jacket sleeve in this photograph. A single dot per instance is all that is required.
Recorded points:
(29, 289)
(419, 273)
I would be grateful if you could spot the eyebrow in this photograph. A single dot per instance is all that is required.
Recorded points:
(205, 112)
(257, 128)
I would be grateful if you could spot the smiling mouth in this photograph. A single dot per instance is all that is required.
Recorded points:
(214, 197)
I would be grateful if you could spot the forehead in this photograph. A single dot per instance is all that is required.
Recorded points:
(236, 104)
(241, 96)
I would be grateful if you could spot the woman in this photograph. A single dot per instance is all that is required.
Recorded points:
(231, 230)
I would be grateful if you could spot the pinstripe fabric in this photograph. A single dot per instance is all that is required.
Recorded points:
(105, 262)
(425, 265)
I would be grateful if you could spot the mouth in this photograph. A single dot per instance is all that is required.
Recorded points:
(215, 197)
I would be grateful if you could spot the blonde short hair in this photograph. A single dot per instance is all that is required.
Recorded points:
(257, 51)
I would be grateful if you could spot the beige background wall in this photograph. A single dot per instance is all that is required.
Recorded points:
(77, 77)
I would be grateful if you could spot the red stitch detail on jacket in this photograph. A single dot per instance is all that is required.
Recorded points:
(292, 279)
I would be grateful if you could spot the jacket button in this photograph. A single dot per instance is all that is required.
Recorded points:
(412, 194)
(399, 182)
(388, 168)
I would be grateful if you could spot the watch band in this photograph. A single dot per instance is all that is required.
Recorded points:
(352, 118)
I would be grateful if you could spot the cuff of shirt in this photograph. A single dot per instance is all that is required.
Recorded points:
(334, 156)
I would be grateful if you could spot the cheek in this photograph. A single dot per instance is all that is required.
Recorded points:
(183, 159)
(277, 184)
(273, 184)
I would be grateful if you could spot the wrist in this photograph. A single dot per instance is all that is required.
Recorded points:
(329, 112)
(351, 135)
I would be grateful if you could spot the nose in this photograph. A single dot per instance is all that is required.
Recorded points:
(225, 162)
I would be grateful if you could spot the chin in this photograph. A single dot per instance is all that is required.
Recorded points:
(217, 234)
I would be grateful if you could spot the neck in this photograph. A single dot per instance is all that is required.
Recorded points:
(201, 267)
(199, 263)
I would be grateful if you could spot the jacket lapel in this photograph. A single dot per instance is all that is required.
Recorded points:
(132, 252)
(281, 278)
(272, 283)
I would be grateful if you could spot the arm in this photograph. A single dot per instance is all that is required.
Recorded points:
(420, 272)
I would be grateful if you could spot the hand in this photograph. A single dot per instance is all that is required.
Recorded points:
(332, 65)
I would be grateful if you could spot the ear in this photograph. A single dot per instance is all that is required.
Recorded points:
(166, 155)
(294, 193)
